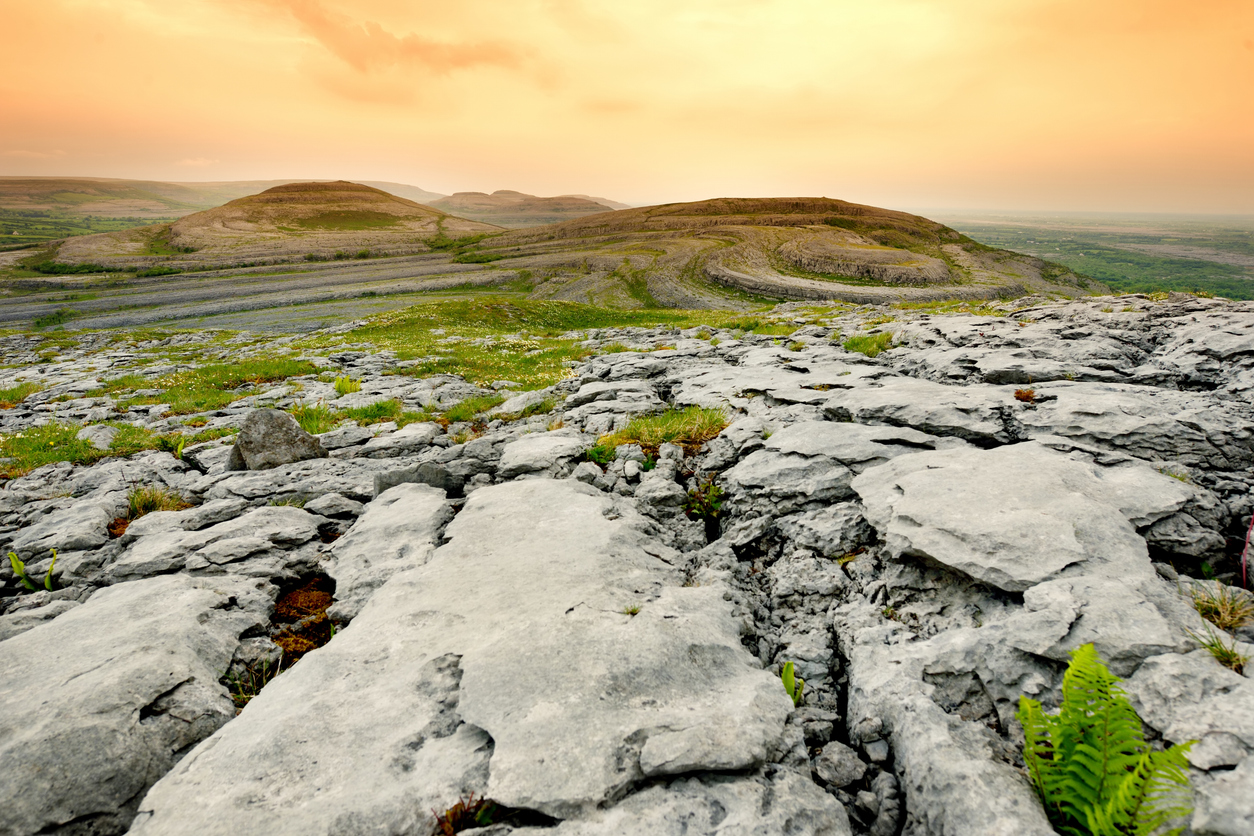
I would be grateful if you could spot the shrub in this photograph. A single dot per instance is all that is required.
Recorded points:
(59, 316)
(705, 501)
(870, 344)
(1090, 764)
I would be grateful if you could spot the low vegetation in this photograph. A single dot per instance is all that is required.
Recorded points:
(869, 344)
(145, 500)
(1223, 647)
(689, 428)
(1227, 608)
(14, 395)
(793, 684)
(345, 385)
(216, 385)
(33, 447)
(19, 571)
(1090, 764)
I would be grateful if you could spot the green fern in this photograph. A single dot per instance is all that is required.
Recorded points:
(1091, 766)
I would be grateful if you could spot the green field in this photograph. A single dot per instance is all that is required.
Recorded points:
(22, 227)
(1133, 254)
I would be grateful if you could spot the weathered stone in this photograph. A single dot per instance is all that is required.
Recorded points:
(99, 435)
(539, 452)
(271, 437)
(98, 703)
(84, 525)
(398, 531)
(839, 765)
(422, 698)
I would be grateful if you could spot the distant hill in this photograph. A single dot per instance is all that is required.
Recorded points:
(112, 198)
(516, 210)
(313, 220)
(714, 253)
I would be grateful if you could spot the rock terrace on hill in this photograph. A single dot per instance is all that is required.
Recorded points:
(924, 535)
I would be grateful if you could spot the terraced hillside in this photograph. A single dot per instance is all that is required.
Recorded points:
(289, 222)
(716, 251)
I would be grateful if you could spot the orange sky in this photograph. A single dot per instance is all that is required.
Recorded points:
(1017, 104)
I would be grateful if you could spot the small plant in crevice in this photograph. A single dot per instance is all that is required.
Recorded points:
(466, 814)
(1090, 764)
(345, 385)
(793, 684)
(19, 570)
(301, 621)
(1027, 396)
(1224, 606)
(705, 500)
(1225, 652)
(246, 684)
(600, 453)
(634, 609)
(314, 418)
(145, 500)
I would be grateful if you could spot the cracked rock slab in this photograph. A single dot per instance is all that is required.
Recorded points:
(550, 697)
(98, 703)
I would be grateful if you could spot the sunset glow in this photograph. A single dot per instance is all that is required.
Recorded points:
(1132, 105)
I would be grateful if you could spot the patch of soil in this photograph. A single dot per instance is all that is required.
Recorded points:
(300, 618)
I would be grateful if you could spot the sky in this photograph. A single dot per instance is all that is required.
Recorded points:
(1058, 105)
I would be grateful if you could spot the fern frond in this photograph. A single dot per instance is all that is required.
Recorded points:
(1090, 764)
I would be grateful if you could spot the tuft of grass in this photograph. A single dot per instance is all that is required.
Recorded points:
(345, 385)
(796, 346)
(314, 418)
(145, 500)
(1225, 652)
(290, 502)
(689, 428)
(634, 609)
(870, 344)
(14, 395)
(470, 407)
(466, 814)
(1227, 608)
(376, 412)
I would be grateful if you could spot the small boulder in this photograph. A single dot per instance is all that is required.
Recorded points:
(269, 438)
(839, 765)
(100, 435)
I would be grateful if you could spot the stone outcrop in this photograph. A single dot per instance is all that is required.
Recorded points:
(925, 535)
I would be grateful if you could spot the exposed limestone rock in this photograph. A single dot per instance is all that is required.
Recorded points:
(271, 437)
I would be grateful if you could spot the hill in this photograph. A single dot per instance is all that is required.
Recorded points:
(723, 251)
(296, 220)
(517, 210)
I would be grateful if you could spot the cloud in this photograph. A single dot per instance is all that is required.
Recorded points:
(368, 47)
(197, 162)
(33, 155)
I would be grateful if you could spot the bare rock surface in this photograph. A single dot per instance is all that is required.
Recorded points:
(924, 534)
(421, 699)
(96, 704)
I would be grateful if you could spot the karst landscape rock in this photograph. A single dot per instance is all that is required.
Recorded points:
(924, 533)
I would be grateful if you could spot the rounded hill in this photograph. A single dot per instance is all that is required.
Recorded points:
(286, 222)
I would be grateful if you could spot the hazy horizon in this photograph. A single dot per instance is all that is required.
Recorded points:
(1049, 106)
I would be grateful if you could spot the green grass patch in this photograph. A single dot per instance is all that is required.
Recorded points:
(57, 317)
(214, 386)
(478, 258)
(869, 344)
(375, 412)
(539, 360)
(468, 409)
(689, 428)
(58, 442)
(14, 395)
(349, 220)
(314, 418)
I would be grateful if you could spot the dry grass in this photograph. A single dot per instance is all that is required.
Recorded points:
(1227, 608)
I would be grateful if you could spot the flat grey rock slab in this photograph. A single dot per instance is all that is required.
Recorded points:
(98, 703)
(162, 547)
(504, 665)
(84, 525)
(398, 531)
(1039, 512)
(411, 438)
(538, 452)
(977, 413)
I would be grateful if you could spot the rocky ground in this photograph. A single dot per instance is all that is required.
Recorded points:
(924, 534)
